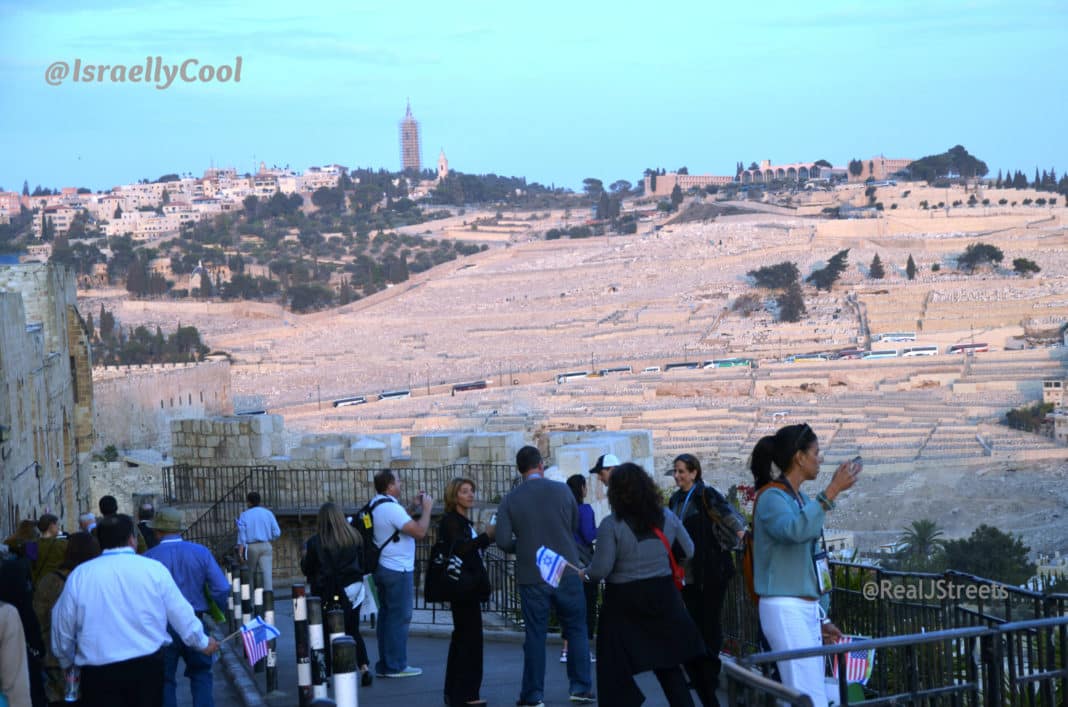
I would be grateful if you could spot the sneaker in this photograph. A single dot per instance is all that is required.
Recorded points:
(584, 697)
(563, 656)
(366, 678)
(408, 672)
(521, 703)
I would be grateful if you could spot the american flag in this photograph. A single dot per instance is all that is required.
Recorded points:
(255, 635)
(550, 565)
(859, 664)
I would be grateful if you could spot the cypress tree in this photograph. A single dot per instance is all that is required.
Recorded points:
(876, 270)
(910, 268)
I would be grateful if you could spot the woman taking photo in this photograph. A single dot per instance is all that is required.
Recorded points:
(584, 538)
(643, 624)
(790, 571)
(81, 547)
(463, 670)
(701, 509)
(331, 563)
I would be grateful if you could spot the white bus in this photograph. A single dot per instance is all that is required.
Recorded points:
(895, 337)
(394, 394)
(968, 348)
(574, 375)
(886, 353)
(920, 351)
(353, 400)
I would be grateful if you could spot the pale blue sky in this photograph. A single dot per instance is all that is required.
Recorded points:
(554, 91)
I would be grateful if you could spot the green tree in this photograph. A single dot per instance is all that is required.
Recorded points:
(620, 186)
(955, 160)
(593, 187)
(1022, 266)
(856, 168)
(876, 270)
(990, 553)
(910, 268)
(922, 546)
(979, 254)
(676, 197)
(775, 277)
(791, 303)
(825, 277)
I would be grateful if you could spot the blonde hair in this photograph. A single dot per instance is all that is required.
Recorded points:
(334, 530)
(452, 491)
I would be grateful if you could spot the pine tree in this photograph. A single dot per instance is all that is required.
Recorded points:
(910, 268)
(875, 270)
(997, 184)
(1038, 182)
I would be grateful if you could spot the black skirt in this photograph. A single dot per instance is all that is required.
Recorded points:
(644, 625)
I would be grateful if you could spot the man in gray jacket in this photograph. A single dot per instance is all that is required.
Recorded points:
(542, 512)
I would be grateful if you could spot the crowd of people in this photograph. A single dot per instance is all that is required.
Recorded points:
(119, 603)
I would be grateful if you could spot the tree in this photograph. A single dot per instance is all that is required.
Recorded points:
(910, 268)
(824, 278)
(604, 206)
(620, 186)
(856, 168)
(593, 187)
(791, 303)
(875, 270)
(682, 170)
(922, 546)
(775, 277)
(118, 213)
(25, 188)
(955, 160)
(676, 197)
(822, 163)
(990, 553)
(1023, 266)
(979, 254)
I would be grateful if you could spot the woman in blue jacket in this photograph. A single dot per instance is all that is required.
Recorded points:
(787, 553)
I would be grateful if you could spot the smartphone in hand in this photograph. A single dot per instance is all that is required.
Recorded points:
(856, 465)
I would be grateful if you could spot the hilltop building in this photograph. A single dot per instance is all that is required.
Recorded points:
(663, 184)
(409, 141)
(443, 166)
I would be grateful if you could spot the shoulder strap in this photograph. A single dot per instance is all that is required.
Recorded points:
(771, 484)
(371, 510)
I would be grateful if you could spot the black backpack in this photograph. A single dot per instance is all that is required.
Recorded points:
(365, 525)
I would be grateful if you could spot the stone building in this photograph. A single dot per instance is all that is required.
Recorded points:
(409, 140)
(46, 396)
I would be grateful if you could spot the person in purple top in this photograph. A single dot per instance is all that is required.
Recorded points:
(584, 538)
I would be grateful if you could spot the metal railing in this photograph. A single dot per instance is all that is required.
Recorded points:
(960, 666)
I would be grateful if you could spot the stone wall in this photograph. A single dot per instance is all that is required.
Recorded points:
(44, 400)
(135, 405)
(129, 481)
(227, 441)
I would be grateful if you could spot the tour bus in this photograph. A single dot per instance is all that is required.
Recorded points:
(251, 412)
(574, 375)
(731, 363)
(473, 385)
(681, 365)
(394, 394)
(616, 369)
(967, 348)
(920, 351)
(806, 357)
(353, 400)
(895, 337)
(849, 354)
(886, 353)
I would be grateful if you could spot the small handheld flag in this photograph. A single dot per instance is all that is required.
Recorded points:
(255, 635)
(859, 664)
(551, 565)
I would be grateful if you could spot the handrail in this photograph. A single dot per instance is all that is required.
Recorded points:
(766, 686)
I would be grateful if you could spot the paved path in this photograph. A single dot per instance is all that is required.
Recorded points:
(428, 647)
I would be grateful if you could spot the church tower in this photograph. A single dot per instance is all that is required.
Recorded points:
(409, 139)
(443, 166)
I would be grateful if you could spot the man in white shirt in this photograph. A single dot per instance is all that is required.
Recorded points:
(111, 621)
(396, 533)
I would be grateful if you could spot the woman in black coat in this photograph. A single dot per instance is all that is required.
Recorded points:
(463, 671)
(332, 561)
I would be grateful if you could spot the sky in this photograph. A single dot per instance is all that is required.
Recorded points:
(552, 91)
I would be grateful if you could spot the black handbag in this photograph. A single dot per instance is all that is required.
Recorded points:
(449, 578)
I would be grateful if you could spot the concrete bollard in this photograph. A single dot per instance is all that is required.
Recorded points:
(257, 608)
(300, 639)
(235, 597)
(229, 572)
(346, 671)
(246, 595)
(315, 642)
(335, 628)
(272, 655)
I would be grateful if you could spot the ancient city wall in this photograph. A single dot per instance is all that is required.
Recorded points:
(136, 404)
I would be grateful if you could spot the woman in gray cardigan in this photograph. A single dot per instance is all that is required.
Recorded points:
(643, 623)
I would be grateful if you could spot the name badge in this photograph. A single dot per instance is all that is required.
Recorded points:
(823, 572)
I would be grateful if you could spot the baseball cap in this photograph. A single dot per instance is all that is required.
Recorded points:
(605, 461)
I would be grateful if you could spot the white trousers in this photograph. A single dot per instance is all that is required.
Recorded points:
(790, 623)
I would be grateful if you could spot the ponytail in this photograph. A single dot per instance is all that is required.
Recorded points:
(760, 461)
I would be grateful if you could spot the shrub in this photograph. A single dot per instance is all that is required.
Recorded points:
(935, 267)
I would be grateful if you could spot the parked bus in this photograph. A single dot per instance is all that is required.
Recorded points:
(731, 363)
(251, 412)
(886, 353)
(574, 375)
(616, 369)
(895, 337)
(394, 394)
(473, 385)
(354, 400)
(681, 365)
(968, 348)
(920, 351)
(806, 357)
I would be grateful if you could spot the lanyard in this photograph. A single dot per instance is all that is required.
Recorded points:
(685, 503)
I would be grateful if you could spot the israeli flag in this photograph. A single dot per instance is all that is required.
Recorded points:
(550, 565)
